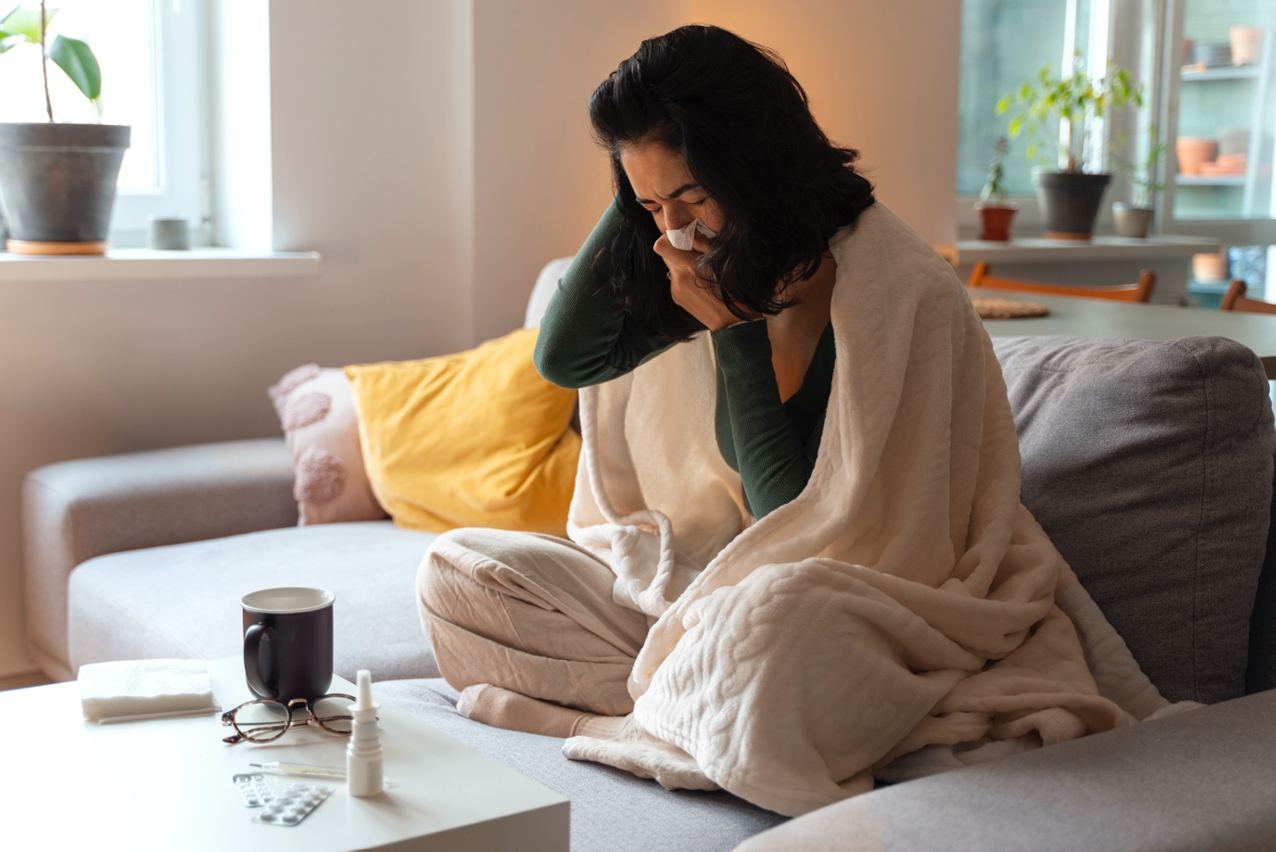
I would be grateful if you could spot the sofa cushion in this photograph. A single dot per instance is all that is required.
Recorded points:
(1149, 464)
(321, 427)
(612, 811)
(472, 439)
(183, 600)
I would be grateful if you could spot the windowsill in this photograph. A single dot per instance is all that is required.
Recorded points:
(1098, 249)
(148, 264)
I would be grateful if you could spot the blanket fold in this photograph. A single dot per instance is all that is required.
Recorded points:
(905, 600)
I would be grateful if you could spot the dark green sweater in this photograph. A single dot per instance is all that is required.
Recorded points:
(587, 338)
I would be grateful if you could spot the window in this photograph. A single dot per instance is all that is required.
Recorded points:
(152, 59)
(1208, 68)
(1004, 43)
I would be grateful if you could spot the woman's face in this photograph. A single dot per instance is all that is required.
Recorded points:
(663, 185)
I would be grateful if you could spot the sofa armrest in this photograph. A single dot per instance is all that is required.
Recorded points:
(1202, 779)
(75, 510)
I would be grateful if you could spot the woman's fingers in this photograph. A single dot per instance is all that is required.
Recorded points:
(689, 289)
(672, 256)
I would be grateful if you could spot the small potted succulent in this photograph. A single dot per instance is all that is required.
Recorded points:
(1063, 111)
(1134, 220)
(996, 211)
(57, 181)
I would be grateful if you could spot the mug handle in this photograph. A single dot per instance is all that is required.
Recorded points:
(252, 658)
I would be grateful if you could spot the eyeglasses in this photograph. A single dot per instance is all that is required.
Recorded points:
(264, 720)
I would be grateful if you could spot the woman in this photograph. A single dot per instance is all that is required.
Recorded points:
(704, 147)
(797, 542)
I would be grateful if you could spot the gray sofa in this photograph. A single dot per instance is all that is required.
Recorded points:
(1150, 465)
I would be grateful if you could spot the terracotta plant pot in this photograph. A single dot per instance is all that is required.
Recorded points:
(1246, 43)
(1131, 221)
(1209, 266)
(1192, 151)
(995, 221)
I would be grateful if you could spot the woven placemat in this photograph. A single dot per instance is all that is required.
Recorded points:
(1006, 309)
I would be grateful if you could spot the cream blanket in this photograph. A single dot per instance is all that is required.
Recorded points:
(904, 603)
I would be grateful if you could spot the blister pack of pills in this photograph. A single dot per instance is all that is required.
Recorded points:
(292, 805)
(254, 789)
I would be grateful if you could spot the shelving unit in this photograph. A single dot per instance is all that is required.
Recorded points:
(1258, 160)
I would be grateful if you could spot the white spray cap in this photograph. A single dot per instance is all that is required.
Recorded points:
(363, 697)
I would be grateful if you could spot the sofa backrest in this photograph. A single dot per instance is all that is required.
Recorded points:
(1150, 465)
(546, 284)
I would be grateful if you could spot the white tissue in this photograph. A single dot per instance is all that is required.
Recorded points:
(681, 238)
(145, 689)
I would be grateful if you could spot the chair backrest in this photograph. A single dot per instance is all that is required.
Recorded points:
(1236, 300)
(1141, 291)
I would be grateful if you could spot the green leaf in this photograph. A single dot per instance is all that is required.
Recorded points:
(9, 41)
(26, 23)
(77, 60)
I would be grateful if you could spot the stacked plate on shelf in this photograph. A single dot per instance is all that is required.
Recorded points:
(1211, 54)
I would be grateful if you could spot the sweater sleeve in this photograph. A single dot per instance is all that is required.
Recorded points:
(772, 457)
(586, 337)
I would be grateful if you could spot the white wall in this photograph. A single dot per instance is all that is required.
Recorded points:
(436, 159)
(540, 182)
(882, 78)
(365, 146)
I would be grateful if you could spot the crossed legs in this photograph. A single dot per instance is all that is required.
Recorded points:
(525, 626)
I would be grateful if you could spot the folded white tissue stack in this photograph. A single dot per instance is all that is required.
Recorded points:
(681, 238)
(145, 689)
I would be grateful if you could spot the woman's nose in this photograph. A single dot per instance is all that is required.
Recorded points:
(676, 218)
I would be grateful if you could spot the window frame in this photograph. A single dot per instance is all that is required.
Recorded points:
(179, 66)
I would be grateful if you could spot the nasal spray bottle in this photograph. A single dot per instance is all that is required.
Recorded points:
(364, 760)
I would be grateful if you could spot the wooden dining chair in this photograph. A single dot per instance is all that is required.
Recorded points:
(1236, 300)
(1141, 291)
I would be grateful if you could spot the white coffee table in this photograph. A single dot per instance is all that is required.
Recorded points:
(166, 784)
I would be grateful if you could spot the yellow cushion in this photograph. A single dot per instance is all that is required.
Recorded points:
(473, 439)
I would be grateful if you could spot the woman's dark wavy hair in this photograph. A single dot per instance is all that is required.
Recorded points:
(743, 124)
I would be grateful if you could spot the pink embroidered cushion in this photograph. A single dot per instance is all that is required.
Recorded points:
(321, 427)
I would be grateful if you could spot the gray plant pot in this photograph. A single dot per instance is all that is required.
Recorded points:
(1131, 221)
(1070, 202)
(57, 181)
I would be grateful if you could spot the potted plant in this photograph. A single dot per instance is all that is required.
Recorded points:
(1062, 111)
(57, 181)
(996, 211)
(1134, 220)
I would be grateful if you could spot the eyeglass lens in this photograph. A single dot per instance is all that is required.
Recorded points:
(263, 721)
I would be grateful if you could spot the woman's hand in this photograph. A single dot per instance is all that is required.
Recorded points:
(696, 295)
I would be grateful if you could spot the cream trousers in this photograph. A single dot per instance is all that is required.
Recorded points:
(529, 613)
